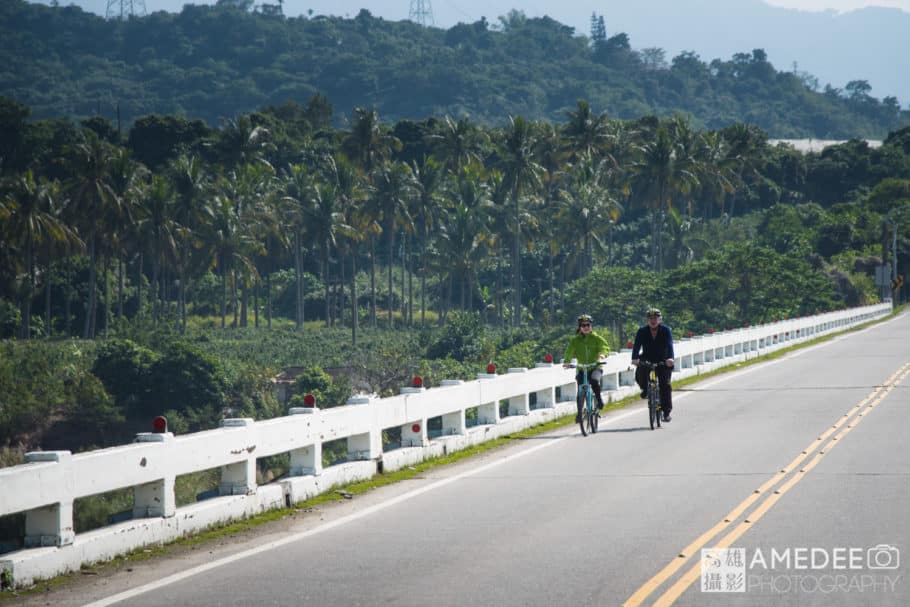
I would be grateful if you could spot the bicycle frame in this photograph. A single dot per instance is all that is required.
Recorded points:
(654, 408)
(589, 417)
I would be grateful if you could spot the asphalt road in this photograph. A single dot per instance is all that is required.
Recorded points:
(795, 466)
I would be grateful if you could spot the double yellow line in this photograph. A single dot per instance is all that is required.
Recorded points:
(796, 473)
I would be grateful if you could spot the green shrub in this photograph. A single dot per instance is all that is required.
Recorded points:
(124, 368)
(463, 338)
(328, 392)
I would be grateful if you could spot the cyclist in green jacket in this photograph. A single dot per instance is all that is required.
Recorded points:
(587, 347)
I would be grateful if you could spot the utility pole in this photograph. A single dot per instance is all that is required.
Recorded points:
(421, 12)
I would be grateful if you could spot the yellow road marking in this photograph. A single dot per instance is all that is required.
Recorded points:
(676, 590)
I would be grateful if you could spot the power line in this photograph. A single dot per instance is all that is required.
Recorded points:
(421, 12)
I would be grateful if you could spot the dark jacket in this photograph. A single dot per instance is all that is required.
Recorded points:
(653, 349)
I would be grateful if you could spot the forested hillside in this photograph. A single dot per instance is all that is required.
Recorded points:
(217, 62)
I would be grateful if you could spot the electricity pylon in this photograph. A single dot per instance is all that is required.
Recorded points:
(122, 9)
(421, 12)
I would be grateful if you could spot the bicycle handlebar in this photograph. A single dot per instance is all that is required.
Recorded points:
(587, 365)
(652, 365)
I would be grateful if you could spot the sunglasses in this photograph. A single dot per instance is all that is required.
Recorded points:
(585, 324)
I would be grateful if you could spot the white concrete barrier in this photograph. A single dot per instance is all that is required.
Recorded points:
(468, 412)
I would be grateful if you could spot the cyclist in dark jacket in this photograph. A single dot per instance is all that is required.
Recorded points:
(654, 342)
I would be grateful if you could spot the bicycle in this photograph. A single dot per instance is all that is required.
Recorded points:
(589, 414)
(654, 409)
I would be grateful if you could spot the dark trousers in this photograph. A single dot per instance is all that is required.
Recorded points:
(663, 382)
(593, 379)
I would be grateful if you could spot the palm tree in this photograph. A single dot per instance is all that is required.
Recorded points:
(394, 183)
(586, 202)
(231, 235)
(716, 172)
(298, 182)
(458, 143)
(465, 232)
(521, 173)
(241, 142)
(426, 205)
(89, 189)
(324, 217)
(159, 231)
(746, 144)
(32, 218)
(128, 179)
(587, 134)
(660, 174)
(190, 182)
(367, 143)
(351, 191)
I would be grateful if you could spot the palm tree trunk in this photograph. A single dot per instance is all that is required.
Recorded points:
(256, 303)
(139, 286)
(235, 303)
(107, 294)
(354, 298)
(120, 286)
(47, 297)
(224, 291)
(153, 290)
(410, 282)
(404, 270)
(423, 283)
(391, 261)
(500, 287)
(325, 284)
(298, 270)
(90, 304)
(516, 267)
(182, 294)
(551, 276)
(342, 282)
(372, 282)
(26, 328)
(268, 300)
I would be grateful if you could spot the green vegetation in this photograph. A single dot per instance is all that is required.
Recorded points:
(368, 256)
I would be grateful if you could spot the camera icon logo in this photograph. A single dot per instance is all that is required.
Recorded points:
(883, 556)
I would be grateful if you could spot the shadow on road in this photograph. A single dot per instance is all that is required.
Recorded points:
(616, 430)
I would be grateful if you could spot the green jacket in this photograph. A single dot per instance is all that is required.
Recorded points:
(586, 348)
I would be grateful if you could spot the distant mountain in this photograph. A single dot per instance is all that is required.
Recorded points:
(217, 62)
(869, 44)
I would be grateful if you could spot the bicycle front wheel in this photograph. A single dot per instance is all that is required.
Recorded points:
(593, 419)
(583, 420)
(652, 408)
